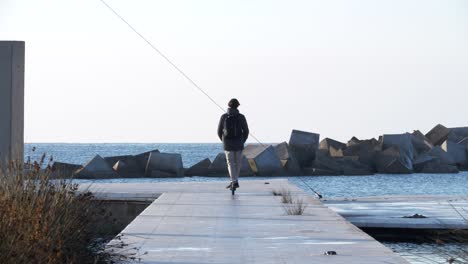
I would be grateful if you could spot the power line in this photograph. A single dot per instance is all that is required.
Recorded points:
(187, 77)
(170, 62)
(162, 55)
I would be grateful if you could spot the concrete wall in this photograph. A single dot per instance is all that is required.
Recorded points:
(11, 99)
(123, 212)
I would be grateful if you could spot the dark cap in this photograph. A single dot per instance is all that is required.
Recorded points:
(233, 103)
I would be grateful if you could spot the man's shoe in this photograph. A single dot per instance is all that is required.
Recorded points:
(229, 186)
(236, 184)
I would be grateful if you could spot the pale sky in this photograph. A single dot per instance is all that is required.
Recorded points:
(339, 68)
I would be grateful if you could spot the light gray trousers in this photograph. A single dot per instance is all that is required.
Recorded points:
(234, 163)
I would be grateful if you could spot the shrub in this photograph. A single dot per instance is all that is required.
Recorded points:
(295, 207)
(47, 221)
(286, 196)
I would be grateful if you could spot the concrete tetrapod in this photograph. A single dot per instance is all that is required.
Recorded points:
(126, 166)
(199, 169)
(420, 143)
(464, 167)
(421, 161)
(127, 169)
(402, 141)
(96, 168)
(219, 167)
(333, 147)
(457, 133)
(142, 160)
(393, 161)
(164, 165)
(426, 163)
(263, 160)
(442, 155)
(290, 164)
(64, 170)
(464, 141)
(436, 166)
(365, 150)
(120, 166)
(324, 163)
(304, 145)
(348, 165)
(352, 166)
(114, 159)
(353, 141)
(456, 151)
(438, 135)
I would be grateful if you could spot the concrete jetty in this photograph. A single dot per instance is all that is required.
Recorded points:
(413, 212)
(202, 223)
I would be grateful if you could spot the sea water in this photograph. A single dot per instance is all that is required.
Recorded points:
(328, 186)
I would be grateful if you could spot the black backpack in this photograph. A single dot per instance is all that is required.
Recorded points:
(232, 127)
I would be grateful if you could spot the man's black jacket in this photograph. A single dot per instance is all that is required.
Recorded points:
(233, 144)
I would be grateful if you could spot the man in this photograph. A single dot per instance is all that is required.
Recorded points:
(233, 132)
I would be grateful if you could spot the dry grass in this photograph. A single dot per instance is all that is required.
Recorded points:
(276, 192)
(47, 221)
(286, 196)
(296, 207)
(291, 205)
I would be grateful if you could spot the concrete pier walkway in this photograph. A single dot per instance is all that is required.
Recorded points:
(203, 223)
(440, 212)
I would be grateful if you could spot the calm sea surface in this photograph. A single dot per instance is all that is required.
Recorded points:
(335, 186)
(82, 153)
